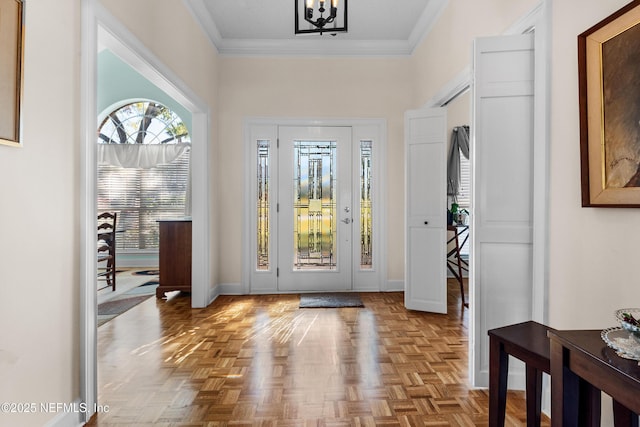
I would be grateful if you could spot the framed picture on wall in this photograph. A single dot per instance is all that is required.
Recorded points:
(609, 84)
(11, 59)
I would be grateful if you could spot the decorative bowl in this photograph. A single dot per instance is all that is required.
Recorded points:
(630, 321)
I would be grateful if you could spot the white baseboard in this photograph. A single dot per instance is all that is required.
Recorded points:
(394, 286)
(69, 417)
(234, 288)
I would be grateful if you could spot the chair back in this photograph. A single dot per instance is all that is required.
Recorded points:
(107, 226)
(107, 246)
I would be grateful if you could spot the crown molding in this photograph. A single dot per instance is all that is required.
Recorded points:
(318, 46)
(425, 23)
(201, 15)
(314, 47)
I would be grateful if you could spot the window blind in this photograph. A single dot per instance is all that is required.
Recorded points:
(142, 197)
(464, 197)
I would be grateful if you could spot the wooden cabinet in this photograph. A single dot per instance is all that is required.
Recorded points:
(175, 256)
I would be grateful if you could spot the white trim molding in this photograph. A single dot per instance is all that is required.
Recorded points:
(99, 27)
(254, 282)
(315, 47)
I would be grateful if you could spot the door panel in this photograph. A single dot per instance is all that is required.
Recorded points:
(315, 209)
(425, 200)
(502, 217)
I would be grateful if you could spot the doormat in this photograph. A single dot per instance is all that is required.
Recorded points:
(120, 306)
(113, 308)
(330, 300)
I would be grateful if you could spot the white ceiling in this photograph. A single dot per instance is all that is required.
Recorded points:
(266, 27)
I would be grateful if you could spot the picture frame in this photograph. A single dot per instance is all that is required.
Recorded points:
(609, 98)
(11, 70)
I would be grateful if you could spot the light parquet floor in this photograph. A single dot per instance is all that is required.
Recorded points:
(260, 361)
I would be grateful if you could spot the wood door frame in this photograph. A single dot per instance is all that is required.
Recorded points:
(362, 129)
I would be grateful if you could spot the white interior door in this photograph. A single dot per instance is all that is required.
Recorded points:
(426, 209)
(315, 205)
(502, 218)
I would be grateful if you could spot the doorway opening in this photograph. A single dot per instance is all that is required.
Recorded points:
(100, 29)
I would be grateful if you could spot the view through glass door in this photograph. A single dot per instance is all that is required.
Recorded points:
(315, 209)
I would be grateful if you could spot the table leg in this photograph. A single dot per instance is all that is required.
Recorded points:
(498, 370)
(564, 389)
(623, 416)
(534, 396)
(589, 404)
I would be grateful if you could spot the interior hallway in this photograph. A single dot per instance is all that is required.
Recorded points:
(260, 360)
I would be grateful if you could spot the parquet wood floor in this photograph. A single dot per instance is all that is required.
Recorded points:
(260, 361)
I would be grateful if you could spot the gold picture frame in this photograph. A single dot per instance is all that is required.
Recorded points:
(11, 70)
(609, 87)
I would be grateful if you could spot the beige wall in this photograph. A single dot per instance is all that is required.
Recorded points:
(446, 51)
(309, 88)
(593, 267)
(39, 217)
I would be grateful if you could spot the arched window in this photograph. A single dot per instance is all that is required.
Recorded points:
(143, 122)
(143, 170)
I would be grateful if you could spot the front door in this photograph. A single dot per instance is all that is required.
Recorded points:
(315, 209)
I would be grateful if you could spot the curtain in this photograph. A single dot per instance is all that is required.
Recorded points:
(459, 143)
(144, 156)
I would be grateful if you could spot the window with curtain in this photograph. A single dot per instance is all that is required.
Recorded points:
(143, 171)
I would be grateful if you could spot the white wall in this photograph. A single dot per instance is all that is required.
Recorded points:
(39, 217)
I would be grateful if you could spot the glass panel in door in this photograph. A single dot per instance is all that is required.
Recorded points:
(314, 205)
(315, 220)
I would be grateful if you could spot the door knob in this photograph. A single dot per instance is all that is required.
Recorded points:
(426, 223)
(347, 221)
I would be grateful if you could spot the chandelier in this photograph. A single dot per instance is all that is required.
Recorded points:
(320, 17)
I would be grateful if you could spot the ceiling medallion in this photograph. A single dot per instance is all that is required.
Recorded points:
(313, 17)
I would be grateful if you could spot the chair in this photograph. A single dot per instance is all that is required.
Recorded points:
(454, 259)
(107, 247)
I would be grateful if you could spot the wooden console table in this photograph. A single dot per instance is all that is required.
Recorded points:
(582, 365)
(175, 256)
(528, 342)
